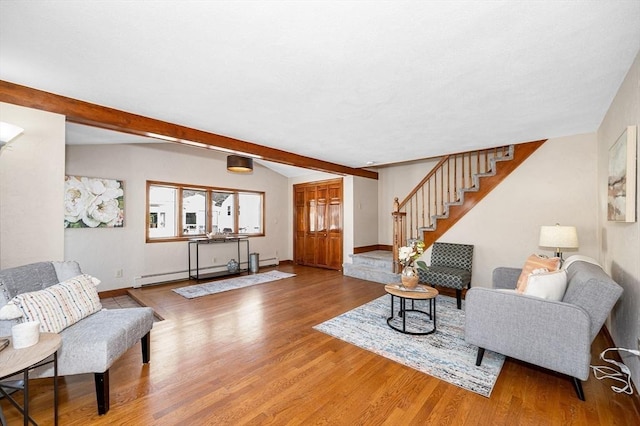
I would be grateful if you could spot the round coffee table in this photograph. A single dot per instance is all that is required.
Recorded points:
(421, 292)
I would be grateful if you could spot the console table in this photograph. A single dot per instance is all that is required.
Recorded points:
(16, 361)
(197, 242)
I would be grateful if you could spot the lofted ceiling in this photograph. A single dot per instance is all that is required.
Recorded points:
(349, 82)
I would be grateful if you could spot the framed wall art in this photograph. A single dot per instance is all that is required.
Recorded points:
(621, 185)
(93, 202)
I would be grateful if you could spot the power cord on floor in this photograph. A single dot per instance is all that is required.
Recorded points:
(624, 375)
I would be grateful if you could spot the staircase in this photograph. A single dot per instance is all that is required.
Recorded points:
(376, 266)
(451, 189)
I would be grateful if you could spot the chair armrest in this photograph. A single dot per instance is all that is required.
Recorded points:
(550, 334)
(506, 278)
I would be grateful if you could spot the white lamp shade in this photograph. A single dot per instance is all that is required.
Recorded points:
(559, 237)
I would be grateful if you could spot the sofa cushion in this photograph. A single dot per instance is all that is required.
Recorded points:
(536, 262)
(96, 342)
(547, 285)
(60, 305)
(66, 269)
(32, 277)
(445, 277)
(578, 258)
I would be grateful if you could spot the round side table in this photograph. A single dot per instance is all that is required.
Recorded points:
(421, 292)
(15, 361)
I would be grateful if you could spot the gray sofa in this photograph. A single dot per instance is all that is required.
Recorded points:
(550, 334)
(91, 345)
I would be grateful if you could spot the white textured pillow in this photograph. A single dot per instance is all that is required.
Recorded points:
(58, 306)
(548, 285)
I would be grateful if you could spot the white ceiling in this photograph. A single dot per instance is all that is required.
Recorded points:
(341, 81)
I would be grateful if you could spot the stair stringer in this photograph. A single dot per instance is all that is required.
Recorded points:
(483, 184)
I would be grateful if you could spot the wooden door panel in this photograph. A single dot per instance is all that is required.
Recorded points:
(321, 249)
(334, 256)
(310, 249)
(318, 231)
(299, 227)
(321, 213)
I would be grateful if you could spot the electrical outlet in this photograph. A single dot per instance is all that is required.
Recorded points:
(214, 260)
(119, 273)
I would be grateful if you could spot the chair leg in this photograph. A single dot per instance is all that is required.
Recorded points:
(102, 391)
(146, 348)
(459, 298)
(479, 356)
(577, 384)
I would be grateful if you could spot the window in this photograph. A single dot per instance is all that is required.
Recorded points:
(222, 206)
(194, 212)
(162, 211)
(249, 213)
(178, 212)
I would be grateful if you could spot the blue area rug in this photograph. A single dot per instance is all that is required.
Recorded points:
(199, 290)
(443, 354)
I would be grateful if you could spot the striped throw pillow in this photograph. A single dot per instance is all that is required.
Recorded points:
(61, 305)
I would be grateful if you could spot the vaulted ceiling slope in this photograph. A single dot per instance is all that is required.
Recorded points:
(347, 82)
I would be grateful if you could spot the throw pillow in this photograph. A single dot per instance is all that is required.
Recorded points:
(548, 285)
(66, 269)
(58, 306)
(536, 262)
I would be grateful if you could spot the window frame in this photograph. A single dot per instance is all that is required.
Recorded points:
(179, 225)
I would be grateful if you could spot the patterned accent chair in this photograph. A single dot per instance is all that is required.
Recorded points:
(450, 267)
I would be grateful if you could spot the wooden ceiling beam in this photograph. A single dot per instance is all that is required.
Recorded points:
(82, 112)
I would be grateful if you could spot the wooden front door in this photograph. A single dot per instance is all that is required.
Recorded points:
(318, 224)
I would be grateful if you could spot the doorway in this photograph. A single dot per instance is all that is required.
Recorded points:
(318, 224)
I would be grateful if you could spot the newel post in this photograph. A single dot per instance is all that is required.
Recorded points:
(398, 232)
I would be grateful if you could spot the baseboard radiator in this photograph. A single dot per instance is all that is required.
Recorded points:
(167, 277)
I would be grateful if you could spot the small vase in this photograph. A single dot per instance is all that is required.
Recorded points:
(232, 266)
(409, 277)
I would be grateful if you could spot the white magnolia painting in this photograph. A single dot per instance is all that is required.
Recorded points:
(93, 202)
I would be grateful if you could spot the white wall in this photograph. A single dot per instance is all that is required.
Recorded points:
(365, 210)
(620, 242)
(31, 188)
(556, 184)
(104, 251)
(397, 181)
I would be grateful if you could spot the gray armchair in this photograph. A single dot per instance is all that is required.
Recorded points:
(550, 334)
(450, 267)
(91, 345)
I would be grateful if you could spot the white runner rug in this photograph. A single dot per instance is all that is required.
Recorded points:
(199, 290)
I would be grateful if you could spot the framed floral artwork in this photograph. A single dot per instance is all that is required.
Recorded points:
(621, 185)
(93, 202)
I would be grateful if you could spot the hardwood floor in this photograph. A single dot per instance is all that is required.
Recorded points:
(250, 356)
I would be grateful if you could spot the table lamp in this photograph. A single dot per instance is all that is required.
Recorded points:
(559, 238)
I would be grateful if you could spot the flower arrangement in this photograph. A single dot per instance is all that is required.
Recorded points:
(409, 255)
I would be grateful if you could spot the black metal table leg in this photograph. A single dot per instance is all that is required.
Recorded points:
(55, 388)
